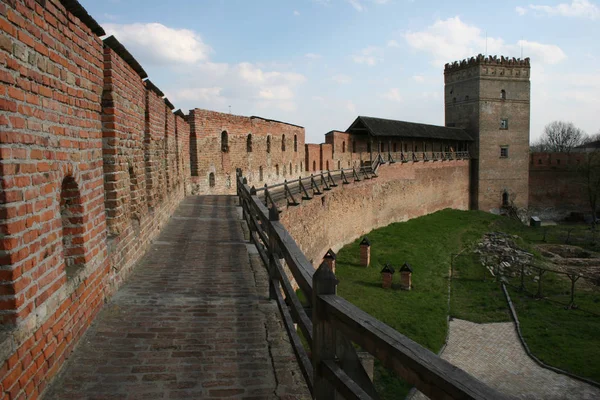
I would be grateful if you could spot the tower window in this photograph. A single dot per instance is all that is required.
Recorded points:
(268, 143)
(295, 143)
(504, 123)
(282, 142)
(249, 143)
(503, 151)
(343, 147)
(224, 142)
(503, 94)
(211, 179)
(505, 199)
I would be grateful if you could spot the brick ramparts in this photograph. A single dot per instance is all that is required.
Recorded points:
(556, 185)
(401, 191)
(92, 161)
(266, 151)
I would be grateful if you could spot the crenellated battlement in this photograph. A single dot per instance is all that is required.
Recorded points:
(490, 60)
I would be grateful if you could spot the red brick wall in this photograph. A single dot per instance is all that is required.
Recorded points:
(555, 187)
(206, 129)
(312, 158)
(401, 191)
(76, 124)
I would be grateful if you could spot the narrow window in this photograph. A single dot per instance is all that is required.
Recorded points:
(295, 144)
(503, 151)
(211, 179)
(71, 215)
(277, 169)
(327, 165)
(503, 94)
(301, 166)
(291, 168)
(224, 142)
(268, 143)
(249, 143)
(343, 147)
(368, 147)
(284, 170)
(282, 142)
(394, 147)
(314, 165)
(260, 173)
(296, 168)
(339, 164)
(354, 146)
(504, 123)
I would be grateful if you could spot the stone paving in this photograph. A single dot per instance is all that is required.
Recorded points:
(193, 321)
(494, 354)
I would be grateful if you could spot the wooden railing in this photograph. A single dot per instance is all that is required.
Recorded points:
(331, 325)
(416, 156)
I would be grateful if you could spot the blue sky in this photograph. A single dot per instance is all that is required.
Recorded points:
(320, 63)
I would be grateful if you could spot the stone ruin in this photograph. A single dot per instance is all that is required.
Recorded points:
(502, 257)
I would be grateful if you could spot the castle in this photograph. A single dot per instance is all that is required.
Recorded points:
(94, 161)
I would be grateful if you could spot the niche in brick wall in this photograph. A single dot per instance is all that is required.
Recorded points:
(71, 213)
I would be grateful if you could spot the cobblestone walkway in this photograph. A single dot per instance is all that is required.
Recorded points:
(193, 321)
(493, 354)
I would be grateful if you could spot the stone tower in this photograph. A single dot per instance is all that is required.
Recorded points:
(490, 97)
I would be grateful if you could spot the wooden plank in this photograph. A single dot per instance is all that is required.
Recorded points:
(305, 363)
(431, 374)
(296, 308)
(343, 383)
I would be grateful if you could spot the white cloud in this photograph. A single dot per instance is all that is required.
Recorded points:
(341, 79)
(393, 95)
(370, 56)
(154, 43)
(357, 5)
(577, 9)
(211, 94)
(392, 43)
(419, 78)
(452, 39)
(296, 13)
(350, 106)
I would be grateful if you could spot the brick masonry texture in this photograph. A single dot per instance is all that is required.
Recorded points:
(401, 191)
(266, 151)
(194, 321)
(89, 176)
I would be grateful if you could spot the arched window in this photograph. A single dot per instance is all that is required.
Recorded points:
(343, 147)
(295, 143)
(339, 164)
(282, 142)
(354, 146)
(504, 199)
(314, 165)
(71, 215)
(301, 166)
(249, 143)
(284, 170)
(327, 165)
(503, 94)
(277, 169)
(224, 142)
(211, 179)
(268, 143)
(260, 173)
(290, 168)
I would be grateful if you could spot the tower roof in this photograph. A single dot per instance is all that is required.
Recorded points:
(489, 60)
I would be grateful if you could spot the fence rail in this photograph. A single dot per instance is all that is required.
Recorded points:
(331, 363)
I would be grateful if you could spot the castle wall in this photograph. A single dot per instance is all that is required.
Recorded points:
(282, 159)
(400, 192)
(88, 177)
(556, 188)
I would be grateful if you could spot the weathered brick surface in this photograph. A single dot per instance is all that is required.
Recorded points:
(194, 321)
(473, 100)
(401, 192)
(275, 148)
(556, 187)
(74, 216)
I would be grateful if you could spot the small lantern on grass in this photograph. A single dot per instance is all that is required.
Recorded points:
(329, 259)
(365, 252)
(406, 276)
(387, 275)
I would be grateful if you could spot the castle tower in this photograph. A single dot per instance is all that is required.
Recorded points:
(490, 98)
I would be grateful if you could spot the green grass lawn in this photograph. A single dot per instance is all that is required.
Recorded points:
(564, 338)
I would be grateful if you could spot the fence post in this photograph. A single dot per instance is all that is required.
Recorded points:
(323, 345)
(273, 251)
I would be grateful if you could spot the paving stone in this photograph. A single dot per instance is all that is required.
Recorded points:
(494, 354)
(193, 321)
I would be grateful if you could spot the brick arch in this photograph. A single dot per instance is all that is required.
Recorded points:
(72, 216)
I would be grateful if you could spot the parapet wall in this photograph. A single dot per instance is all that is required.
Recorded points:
(401, 191)
(92, 163)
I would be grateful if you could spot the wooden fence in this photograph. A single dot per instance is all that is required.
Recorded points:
(331, 366)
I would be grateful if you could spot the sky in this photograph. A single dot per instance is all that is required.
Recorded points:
(321, 63)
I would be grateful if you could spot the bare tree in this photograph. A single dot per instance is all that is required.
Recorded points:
(559, 137)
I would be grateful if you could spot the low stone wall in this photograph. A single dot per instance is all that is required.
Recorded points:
(401, 191)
